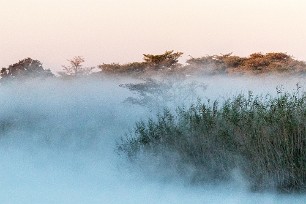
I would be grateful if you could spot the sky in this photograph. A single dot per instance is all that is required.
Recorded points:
(120, 31)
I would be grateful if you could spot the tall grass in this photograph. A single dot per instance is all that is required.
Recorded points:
(263, 136)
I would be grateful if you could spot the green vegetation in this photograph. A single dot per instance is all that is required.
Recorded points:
(25, 68)
(262, 136)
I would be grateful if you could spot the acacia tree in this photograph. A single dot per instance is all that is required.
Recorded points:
(167, 60)
(159, 93)
(76, 68)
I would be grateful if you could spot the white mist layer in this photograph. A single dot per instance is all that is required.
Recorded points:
(60, 147)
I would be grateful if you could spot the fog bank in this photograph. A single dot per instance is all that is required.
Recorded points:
(59, 139)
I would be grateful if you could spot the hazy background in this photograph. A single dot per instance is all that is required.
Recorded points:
(122, 30)
(60, 146)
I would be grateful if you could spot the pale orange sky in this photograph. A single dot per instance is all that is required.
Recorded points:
(122, 30)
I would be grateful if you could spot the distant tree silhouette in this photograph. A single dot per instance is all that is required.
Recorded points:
(25, 68)
(76, 68)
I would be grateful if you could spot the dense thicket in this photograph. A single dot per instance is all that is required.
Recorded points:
(263, 137)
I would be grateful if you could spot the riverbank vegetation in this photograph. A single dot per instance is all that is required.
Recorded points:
(262, 136)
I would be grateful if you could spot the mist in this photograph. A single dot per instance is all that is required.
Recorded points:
(58, 143)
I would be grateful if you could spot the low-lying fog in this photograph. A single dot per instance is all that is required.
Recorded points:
(59, 139)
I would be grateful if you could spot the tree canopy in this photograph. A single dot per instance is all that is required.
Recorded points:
(25, 68)
(167, 60)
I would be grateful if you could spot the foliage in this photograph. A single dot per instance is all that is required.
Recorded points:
(168, 60)
(166, 64)
(256, 63)
(264, 137)
(135, 67)
(25, 68)
(76, 68)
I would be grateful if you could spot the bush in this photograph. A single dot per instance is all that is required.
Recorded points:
(264, 137)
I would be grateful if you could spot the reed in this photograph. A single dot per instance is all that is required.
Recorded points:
(263, 136)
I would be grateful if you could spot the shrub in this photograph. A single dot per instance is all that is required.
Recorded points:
(265, 137)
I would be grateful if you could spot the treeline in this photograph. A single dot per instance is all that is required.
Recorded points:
(256, 63)
(166, 63)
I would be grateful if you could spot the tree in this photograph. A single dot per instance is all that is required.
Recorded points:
(115, 68)
(25, 68)
(167, 60)
(159, 93)
(76, 68)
